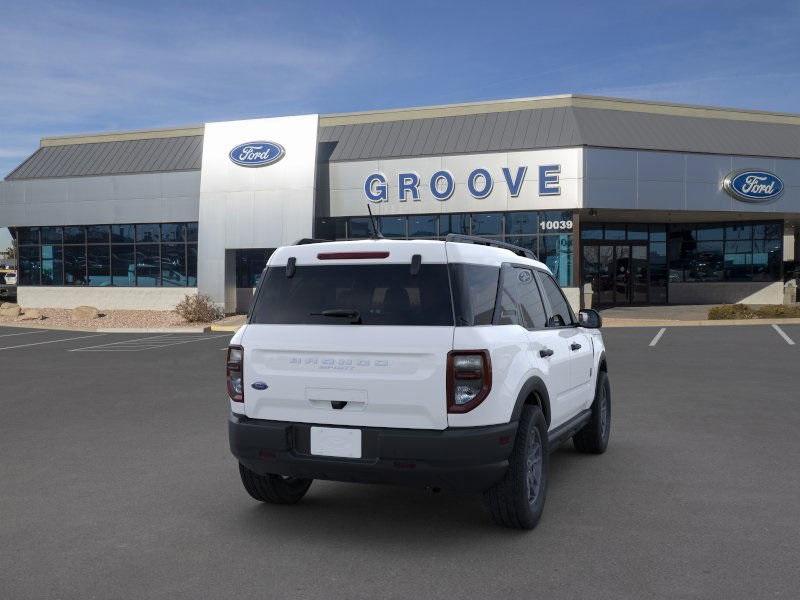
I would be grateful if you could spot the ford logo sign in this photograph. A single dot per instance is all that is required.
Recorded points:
(753, 186)
(257, 154)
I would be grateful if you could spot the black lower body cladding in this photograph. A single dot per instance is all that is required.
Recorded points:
(463, 459)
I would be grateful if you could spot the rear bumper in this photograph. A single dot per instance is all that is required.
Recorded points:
(465, 459)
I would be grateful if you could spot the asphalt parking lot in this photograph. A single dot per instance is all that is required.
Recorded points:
(116, 482)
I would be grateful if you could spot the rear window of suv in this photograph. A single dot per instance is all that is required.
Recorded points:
(373, 294)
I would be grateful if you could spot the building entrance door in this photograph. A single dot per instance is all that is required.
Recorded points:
(618, 272)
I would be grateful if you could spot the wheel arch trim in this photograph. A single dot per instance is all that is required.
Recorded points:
(534, 385)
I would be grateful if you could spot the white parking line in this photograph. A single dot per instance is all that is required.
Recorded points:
(25, 333)
(782, 333)
(152, 343)
(151, 337)
(658, 336)
(83, 337)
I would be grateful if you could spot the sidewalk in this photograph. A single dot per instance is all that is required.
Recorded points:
(675, 316)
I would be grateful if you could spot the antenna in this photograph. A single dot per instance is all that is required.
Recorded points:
(376, 233)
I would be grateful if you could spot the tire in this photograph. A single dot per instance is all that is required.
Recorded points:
(273, 489)
(593, 437)
(517, 501)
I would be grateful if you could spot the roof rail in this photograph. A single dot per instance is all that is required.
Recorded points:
(474, 239)
(305, 241)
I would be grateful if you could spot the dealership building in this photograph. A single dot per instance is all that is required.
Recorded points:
(648, 203)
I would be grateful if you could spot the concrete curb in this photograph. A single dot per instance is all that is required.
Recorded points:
(668, 323)
(39, 325)
(153, 330)
(225, 328)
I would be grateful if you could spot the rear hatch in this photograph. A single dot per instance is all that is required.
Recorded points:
(351, 333)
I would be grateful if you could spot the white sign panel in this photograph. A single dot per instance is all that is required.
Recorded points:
(256, 190)
(527, 180)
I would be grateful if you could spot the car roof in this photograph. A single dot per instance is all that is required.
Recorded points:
(401, 251)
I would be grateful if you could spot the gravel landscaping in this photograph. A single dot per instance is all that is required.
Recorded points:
(58, 318)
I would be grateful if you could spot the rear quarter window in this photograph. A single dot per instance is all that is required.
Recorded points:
(474, 293)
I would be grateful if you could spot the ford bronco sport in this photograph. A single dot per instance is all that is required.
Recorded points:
(453, 364)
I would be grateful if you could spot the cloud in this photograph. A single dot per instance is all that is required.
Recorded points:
(68, 68)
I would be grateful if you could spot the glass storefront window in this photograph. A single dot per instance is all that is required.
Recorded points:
(328, 228)
(29, 264)
(658, 233)
(422, 226)
(74, 235)
(456, 223)
(359, 228)
(148, 265)
(97, 234)
(614, 231)
(250, 264)
(27, 235)
(106, 255)
(148, 233)
(122, 234)
(522, 223)
(637, 232)
(51, 235)
(173, 265)
(556, 252)
(487, 224)
(591, 231)
(173, 232)
(52, 265)
(393, 227)
(767, 231)
(123, 265)
(708, 233)
(98, 260)
(191, 268)
(726, 252)
(191, 232)
(738, 231)
(74, 265)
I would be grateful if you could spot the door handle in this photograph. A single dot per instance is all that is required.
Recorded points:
(545, 353)
(575, 346)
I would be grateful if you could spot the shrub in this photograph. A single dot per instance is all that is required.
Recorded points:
(197, 308)
(747, 311)
(731, 311)
(778, 311)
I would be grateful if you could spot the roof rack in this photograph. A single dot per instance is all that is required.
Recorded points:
(481, 241)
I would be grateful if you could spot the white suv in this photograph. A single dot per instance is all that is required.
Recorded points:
(453, 364)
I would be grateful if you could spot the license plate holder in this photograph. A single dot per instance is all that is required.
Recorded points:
(337, 442)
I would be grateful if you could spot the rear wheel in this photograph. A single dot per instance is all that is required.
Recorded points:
(518, 499)
(274, 489)
(593, 438)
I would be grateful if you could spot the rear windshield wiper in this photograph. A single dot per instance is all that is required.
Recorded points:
(343, 313)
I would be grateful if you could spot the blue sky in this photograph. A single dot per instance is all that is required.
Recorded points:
(74, 67)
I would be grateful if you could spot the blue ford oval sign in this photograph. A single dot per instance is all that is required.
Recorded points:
(753, 186)
(257, 154)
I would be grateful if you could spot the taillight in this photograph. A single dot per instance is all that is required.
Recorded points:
(235, 373)
(469, 379)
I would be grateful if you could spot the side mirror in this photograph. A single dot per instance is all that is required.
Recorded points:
(590, 319)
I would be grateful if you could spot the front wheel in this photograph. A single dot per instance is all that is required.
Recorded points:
(273, 489)
(593, 437)
(518, 499)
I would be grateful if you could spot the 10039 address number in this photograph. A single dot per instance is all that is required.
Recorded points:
(556, 225)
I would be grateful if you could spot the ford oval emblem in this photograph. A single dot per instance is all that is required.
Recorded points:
(257, 154)
(753, 186)
(259, 385)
